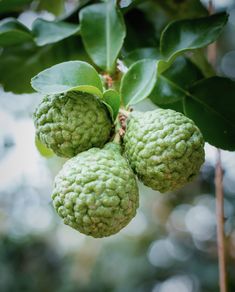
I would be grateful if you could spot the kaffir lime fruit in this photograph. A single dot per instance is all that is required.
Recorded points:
(96, 192)
(72, 122)
(164, 148)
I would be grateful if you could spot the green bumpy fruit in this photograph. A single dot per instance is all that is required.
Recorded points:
(72, 122)
(96, 192)
(165, 149)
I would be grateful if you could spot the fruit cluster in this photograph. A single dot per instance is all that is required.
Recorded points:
(96, 191)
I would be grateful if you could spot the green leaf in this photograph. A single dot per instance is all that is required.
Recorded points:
(171, 85)
(183, 35)
(176, 106)
(12, 5)
(12, 32)
(20, 63)
(211, 104)
(67, 76)
(113, 101)
(139, 54)
(103, 32)
(166, 91)
(139, 81)
(88, 89)
(48, 32)
(56, 7)
(180, 9)
(200, 59)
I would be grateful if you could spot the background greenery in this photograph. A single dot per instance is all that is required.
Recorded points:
(171, 244)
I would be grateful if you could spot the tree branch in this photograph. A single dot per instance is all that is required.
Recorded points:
(220, 222)
(212, 55)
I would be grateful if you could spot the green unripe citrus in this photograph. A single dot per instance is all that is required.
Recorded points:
(96, 192)
(164, 148)
(72, 122)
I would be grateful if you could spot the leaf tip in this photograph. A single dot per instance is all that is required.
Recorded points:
(32, 82)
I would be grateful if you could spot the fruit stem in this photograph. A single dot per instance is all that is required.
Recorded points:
(124, 112)
(108, 80)
(122, 117)
(120, 128)
(117, 138)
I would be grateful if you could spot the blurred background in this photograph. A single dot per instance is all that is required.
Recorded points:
(170, 246)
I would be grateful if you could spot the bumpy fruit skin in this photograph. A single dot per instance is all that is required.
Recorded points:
(164, 148)
(72, 122)
(96, 192)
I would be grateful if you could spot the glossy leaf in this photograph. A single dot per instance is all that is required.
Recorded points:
(12, 32)
(73, 75)
(48, 32)
(139, 54)
(103, 32)
(211, 104)
(182, 35)
(21, 63)
(139, 81)
(171, 85)
(112, 99)
(166, 91)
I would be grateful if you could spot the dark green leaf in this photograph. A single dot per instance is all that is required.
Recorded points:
(176, 106)
(211, 104)
(112, 99)
(12, 32)
(73, 75)
(171, 85)
(182, 9)
(103, 32)
(200, 59)
(139, 54)
(166, 91)
(182, 35)
(48, 32)
(146, 22)
(139, 81)
(21, 63)
(12, 5)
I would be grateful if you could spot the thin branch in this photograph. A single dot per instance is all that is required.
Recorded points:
(220, 222)
(212, 55)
